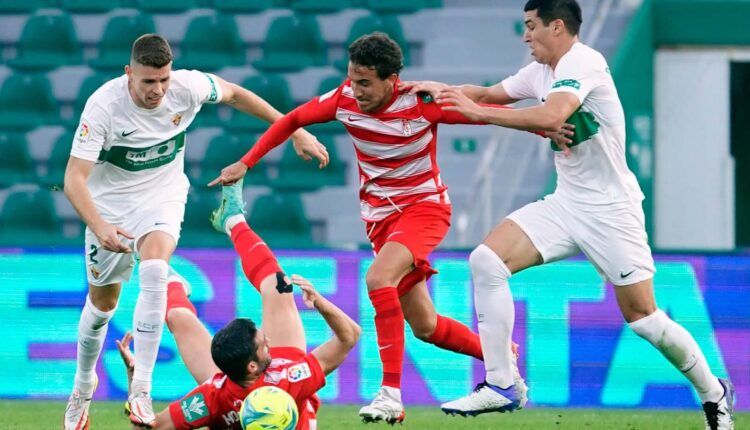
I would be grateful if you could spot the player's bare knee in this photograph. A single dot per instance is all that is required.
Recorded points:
(376, 279)
(636, 313)
(104, 298)
(177, 317)
(421, 327)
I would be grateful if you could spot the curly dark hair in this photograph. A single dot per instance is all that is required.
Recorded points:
(151, 50)
(377, 50)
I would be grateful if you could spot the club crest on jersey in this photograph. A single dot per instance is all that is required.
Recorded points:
(94, 272)
(176, 119)
(406, 127)
(299, 372)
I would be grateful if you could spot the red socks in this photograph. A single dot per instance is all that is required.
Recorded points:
(176, 298)
(389, 325)
(452, 335)
(257, 259)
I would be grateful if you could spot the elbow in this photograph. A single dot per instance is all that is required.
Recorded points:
(352, 337)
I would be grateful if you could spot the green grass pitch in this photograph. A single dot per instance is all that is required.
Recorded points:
(36, 415)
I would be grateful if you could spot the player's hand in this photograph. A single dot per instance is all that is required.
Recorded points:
(562, 137)
(109, 237)
(308, 147)
(123, 345)
(458, 102)
(431, 87)
(230, 174)
(309, 293)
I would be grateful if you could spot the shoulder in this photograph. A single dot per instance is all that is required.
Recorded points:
(584, 58)
(105, 98)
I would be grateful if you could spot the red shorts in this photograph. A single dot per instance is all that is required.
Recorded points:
(420, 228)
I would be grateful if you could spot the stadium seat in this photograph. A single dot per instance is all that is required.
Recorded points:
(208, 116)
(400, 6)
(332, 127)
(88, 86)
(245, 6)
(16, 165)
(296, 174)
(292, 43)
(370, 23)
(196, 227)
(47, 41)
(222, 151)
(280, 219)
(25, 6)
(57, 161)
(210, 43)
(26, 101)
(322, 6)
(29, 218)
(272, 88)
(166, 6)
(117, 41)
(89, 6)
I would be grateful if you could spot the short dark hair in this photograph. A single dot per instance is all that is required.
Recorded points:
(377, 50)
(233, 348)
(151, 50)
(569, 11)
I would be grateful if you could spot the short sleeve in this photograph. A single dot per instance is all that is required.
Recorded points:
(577, 74)
(521, 85)
(192, 411)
(204, 87)
(303, 378)
(91, 133)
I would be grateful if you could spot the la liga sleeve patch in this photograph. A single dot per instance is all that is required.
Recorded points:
(299, 372)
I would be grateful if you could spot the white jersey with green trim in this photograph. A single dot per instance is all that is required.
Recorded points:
(139, 153)
(595, 173)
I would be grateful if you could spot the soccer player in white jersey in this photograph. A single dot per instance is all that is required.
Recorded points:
(596, 208)
(125, 178)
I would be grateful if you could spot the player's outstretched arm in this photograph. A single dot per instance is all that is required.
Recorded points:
(346, 332)
(76, 175)
(494, 94)
(305, 144)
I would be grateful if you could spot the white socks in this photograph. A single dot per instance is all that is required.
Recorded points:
(148, 321)
(495, 312)
(679, 347)
(92, 330)
(233, 221)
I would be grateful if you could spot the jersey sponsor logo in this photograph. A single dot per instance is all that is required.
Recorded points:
(299, 372)
(135, 159)
(83, 132)
(572, 83)
(176, 119)
(194, 408)
(212, 98)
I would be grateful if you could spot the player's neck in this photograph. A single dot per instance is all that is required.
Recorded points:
(565, 47)
(247, 382)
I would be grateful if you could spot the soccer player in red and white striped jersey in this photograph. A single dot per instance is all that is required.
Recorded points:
(403, 200)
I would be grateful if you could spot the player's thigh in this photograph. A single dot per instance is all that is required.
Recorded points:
(392, 262)
(281, 320)
(615, 241)
(193, 342)
(105, 268)
(158, 229)
(419, 311)
(637, 300)
(532, 235)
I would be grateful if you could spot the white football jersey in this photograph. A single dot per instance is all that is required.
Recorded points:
(139, 153)
(596, 172)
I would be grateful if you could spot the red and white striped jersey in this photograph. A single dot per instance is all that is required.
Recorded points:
(396, 146)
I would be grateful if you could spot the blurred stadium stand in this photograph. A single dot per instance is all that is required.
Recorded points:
(287, 51)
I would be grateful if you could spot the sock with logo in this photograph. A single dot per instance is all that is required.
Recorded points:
(92, 330)
(389, 326)
(495, 312)
(679, 347)
(452, 335)
(257, 259)
(148, 321)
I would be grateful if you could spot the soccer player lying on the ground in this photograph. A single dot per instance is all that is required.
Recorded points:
(595, 209)
(404, 203)
(241, 357)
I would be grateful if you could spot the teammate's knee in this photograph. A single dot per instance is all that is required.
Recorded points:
(487, 268)
(105, 298)
(636, 312)
(376, 279)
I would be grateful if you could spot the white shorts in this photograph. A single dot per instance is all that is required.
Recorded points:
(613, 238)
(106, 267)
